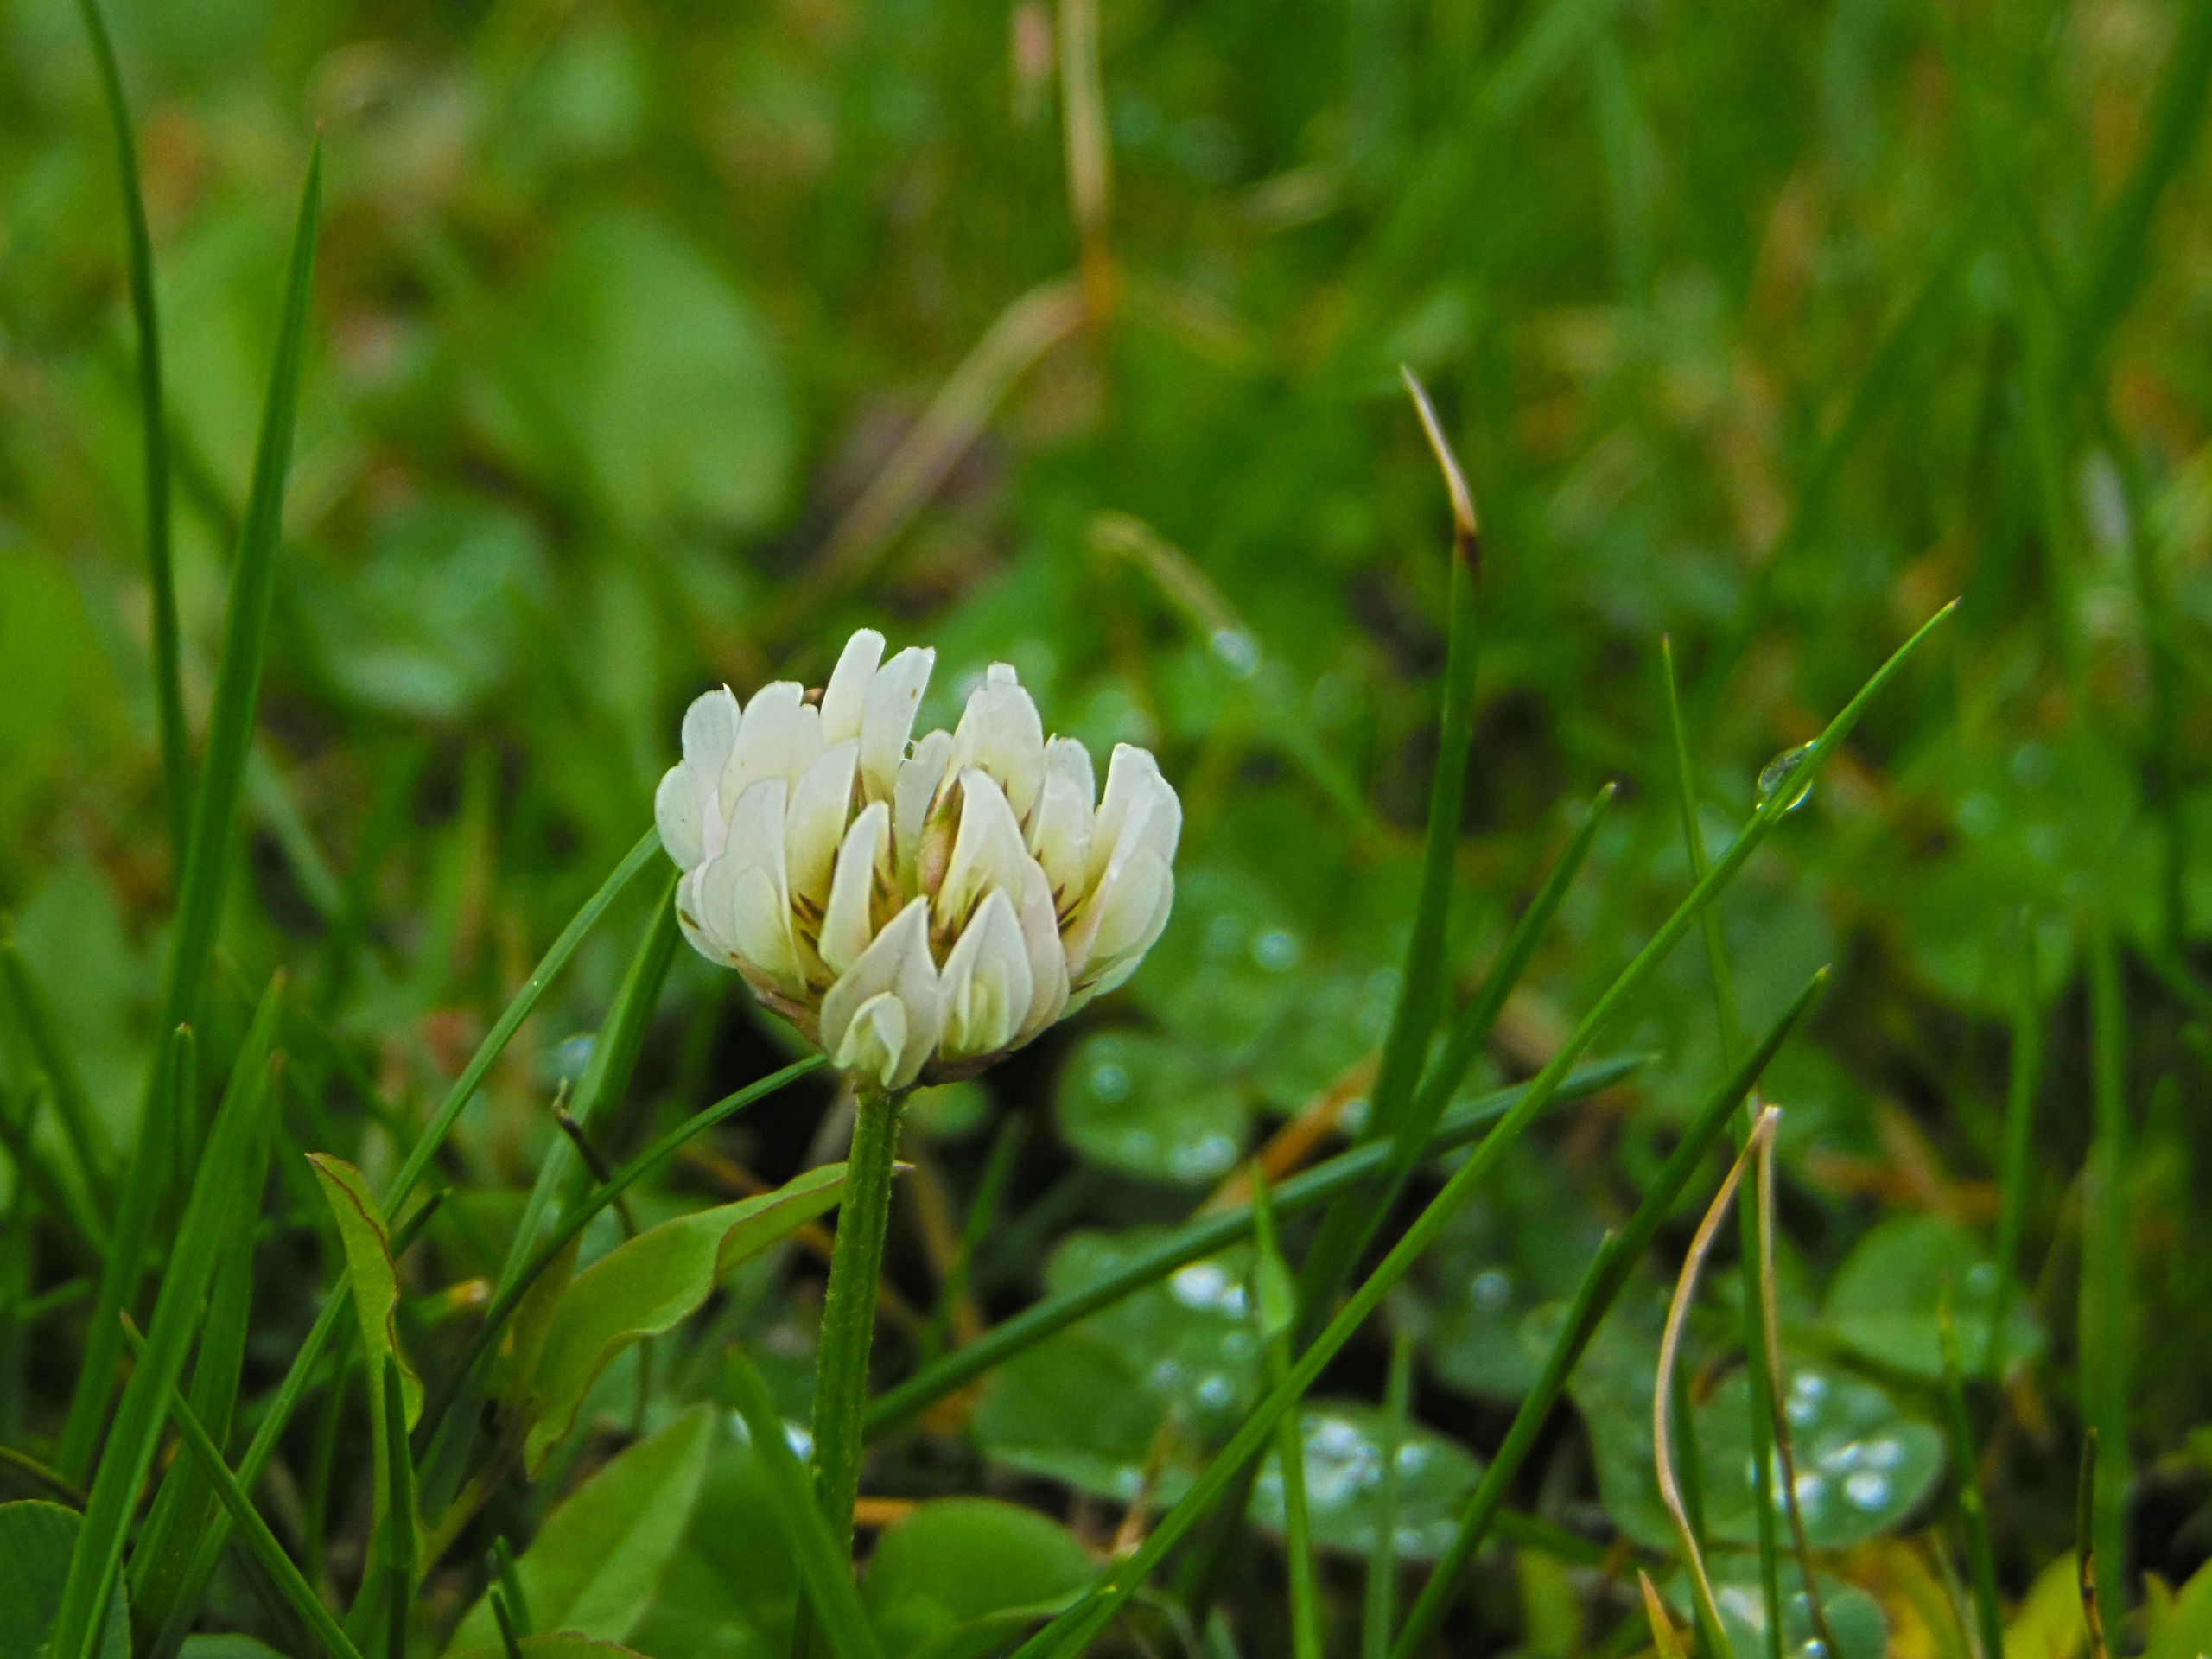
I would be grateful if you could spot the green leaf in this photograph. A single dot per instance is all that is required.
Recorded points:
(734, 1586)
(1885, 1301)
(2184, 1631)
(593, 1567)
(1152, 1106)
(1344, 1444)
(650, 1284)
(35, 1540)
(366, 1241)
(229, 1181)
(956, 1562)
(554, 1647)
(1856, 1618)
(1225, 970)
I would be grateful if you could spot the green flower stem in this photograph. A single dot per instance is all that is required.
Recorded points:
(848, 1312)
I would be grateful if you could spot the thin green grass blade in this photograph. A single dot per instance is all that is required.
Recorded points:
(146, 1183)
(608, 1074)
(228, 1180)
(1274, 1308)
(168, 698)
(2105, 1318)
(80, 1125)
(1345, 1228)
(65, 1198)
(1378, 1607)
(1973, 1516)
(396, 1526)
(2025, 1078)
(246, 636)
(297, 1594)
(1608, 1276)
(1760, 1393)
(185, 1502)
(1068, 1632)
(823, 1567)
(1203, 1237)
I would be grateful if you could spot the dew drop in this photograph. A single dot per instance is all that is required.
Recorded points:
(1779, 775)
(1110, 1081)
(1491, 1291)
(1867, 1488)
(1276, 949)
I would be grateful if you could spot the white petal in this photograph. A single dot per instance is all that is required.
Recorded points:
(1000, 731)
(709, 732)
(1048, 962)
(888, 716)
(898, 963)
(919, 774)
(872, 1048)
(1059, 829)
(846, 694)
(1139, 804)
(676, 815)
(987, 852)
(779, 737)
(987, 982)
(692, 916)
(742, 911)
(845, 925)
(817, 821)
(1132, 907)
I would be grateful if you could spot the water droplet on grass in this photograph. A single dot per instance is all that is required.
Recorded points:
(1779, 777)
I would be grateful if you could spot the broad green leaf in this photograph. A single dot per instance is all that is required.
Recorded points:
(1855, 1618)
(733, 1583)
(594, 1565)
(1153, 1106)
(959, 1561)
(1885, 1299)
(1225, 970)
(652, 1284)
(2184, 1632)
(556, 1647)
(1344, 1444)
(35, 1540)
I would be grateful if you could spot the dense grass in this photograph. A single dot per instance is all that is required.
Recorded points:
(350, 595)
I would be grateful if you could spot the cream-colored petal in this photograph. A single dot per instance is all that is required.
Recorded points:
(692, 918)
(845, 695)
(1110, 973)
(779, 737)
(987, 982)
(872, 1047)
(1000, 731)
(1048, 962)
(676, 815)
(887, 716)
(846, 928)
(916, 786)
(1138, 802)
(986, 850)
(898, 962)
(816, 823)
(742, 910)
(1133, 906)
(710, 725)
(1059, 829)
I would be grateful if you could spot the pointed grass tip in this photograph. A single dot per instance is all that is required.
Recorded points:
(1467, 531)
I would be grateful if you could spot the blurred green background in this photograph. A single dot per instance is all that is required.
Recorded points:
(656, 345)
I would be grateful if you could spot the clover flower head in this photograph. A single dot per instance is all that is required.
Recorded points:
(918, 907)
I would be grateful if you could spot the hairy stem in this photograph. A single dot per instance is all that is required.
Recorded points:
(848, 1312)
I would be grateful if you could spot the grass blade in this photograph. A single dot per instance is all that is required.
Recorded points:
(1378, 1609)
(228, 1178)
(1758, 1369)
(396, 1525)
(2104, 1321)
(174, 1095)
(201, 1446)
(1203, 1237)
(1973, 1516)
(1608, 1276)
(822, 1567)
(184, 1505)
(1347, 1226)
(168, 698)
(2026, 1077)
(606, 1075)
(1274, 1309)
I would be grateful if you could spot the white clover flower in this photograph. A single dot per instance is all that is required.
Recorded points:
(918, 908)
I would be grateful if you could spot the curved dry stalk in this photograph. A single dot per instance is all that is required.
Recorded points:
(1770, 1340)
(1670, 1341)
